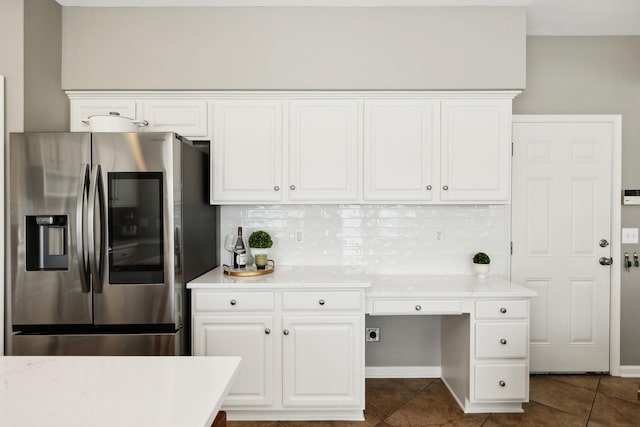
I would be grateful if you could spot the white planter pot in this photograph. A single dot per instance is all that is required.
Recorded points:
(481, 270)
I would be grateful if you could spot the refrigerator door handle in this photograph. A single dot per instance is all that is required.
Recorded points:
(97, 193)
(83, 194)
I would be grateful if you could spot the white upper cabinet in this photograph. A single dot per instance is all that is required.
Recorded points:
(82, 109)
(246, 154)
(401, 150)
(324, 150)
(476, 150)
(335, 147)
(185, 117)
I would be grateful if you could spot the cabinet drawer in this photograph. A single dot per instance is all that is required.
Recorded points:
(416, 306)
(502, 309)
(233, 301)
(501, 340)
(322, 300)
(501, 382)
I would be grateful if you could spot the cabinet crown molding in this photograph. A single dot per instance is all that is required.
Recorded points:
(276, 94)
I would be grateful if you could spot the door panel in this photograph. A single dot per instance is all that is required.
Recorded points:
(561, 210)
(249, 337)
(136, 286)
(44, 173)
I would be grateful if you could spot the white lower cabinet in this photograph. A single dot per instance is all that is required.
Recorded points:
(318, 361)
(248, 337)
(302, 351)
(500, 338)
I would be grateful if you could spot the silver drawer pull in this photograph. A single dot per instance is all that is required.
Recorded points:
(445, 187)
(321, 302)
(276, 188)
(503, 341)
(418, 308)
(502, 383)
(267, 331)
(429, 187)
(286, 332)
(292, 187)
(233, 302)
(503, 310)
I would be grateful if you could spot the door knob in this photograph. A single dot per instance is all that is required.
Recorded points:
(605, 261)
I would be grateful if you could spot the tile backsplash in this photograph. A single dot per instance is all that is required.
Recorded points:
(382, 239)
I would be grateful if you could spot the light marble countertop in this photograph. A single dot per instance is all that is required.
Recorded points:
(96, 391)
(378, 285)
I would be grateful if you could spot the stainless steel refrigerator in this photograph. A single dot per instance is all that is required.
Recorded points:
(103, 232)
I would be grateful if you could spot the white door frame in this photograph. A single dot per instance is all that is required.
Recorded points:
(2, 281)
(616, 219)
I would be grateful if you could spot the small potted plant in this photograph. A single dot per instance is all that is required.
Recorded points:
(481, 263)
(259, 244)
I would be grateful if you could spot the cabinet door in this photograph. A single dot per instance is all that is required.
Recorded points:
(401, 150)
(249, 337)
(324, 150)
(84, 108)
(322, 361)
(185, 117)
(247, 151)
(476, 150)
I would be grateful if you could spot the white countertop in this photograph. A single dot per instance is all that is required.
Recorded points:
(96, 391)
(378, 285)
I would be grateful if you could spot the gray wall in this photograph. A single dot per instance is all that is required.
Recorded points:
(46, 106)
(595, 75)
(12, 62)
(294, 48)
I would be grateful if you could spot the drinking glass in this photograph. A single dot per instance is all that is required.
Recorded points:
(229, 243)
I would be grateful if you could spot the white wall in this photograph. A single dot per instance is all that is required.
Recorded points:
(384, 239)
(294, 48)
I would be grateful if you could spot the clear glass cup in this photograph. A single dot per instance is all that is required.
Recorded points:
(229, 244)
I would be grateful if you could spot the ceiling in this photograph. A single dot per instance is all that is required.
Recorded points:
(544, 17)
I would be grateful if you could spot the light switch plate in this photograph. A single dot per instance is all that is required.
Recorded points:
(630, 236)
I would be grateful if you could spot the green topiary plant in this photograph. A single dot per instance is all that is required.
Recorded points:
(260, 239)
(481, 258)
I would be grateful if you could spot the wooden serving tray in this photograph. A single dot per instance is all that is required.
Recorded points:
(249, 271)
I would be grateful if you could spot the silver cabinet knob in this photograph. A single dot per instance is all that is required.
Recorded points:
(503, 341)
(429, 187)
(267, 331)
(286, 332)
(321, 302)
(445, 187)
(233, 302)
(502, 383)
(418, 308)
(292, 187)
(503, 310)
(276, 188)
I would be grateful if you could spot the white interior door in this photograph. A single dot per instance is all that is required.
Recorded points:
(2, 144)
(561, 212)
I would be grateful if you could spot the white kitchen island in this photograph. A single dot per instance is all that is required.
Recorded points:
(300, 332)
(113, 391)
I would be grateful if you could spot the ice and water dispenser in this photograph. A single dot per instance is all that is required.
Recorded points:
(46, 247)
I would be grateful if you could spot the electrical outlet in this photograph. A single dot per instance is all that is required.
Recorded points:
(372, 335)
(298, 236)
(438, 235)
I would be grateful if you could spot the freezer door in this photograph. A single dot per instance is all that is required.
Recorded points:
(47, 180)
(131, 222)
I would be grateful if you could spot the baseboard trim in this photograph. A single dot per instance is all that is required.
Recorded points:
(630, 371)
(402, 372)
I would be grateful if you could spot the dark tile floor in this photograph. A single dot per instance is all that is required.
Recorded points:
(555, 400)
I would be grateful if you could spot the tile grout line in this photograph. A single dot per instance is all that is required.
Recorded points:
(593, 401)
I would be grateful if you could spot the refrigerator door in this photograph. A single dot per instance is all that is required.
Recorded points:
(130, 225)
(47, 180)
